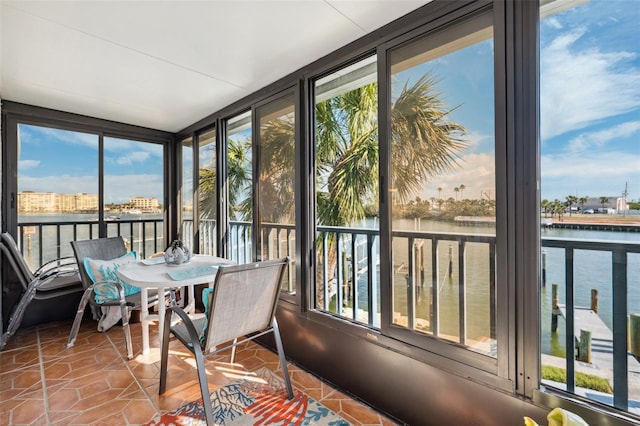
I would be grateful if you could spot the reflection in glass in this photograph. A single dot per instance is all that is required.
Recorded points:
(442, 188)
(276, 183)
(346, 167)
(186, 192)
(240, 189)
(208, 192)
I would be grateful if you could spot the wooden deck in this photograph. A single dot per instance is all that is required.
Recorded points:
(602, 348)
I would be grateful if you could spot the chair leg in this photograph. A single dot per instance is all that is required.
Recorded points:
(76, 322)
(126, 330)
(283, 360)
(16, 316)
(164, 358)
(204, 386)
(233, 350)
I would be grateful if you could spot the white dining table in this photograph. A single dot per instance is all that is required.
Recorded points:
(156, 274)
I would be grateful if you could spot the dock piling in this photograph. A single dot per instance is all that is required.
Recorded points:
(555, 309)
(634, 335)
(544, 268)
(584, 346)
(594, 300)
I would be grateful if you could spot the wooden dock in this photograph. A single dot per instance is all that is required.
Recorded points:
(602, 347)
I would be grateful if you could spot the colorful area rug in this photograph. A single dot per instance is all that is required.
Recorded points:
(254, 400)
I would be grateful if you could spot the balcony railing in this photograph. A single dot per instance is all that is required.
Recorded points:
(357, 254)
(618, 287)
(44, 241)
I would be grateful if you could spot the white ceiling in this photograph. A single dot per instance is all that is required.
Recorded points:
(167, 64)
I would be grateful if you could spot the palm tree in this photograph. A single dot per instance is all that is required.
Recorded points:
(545, 204)
(462, 188)
(583, 201)
(557, 207)
(424, 145)
(456, 190)
(439, 192)
(603, 201)
(571, 200)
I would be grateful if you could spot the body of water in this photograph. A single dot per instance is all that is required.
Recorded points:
(592, 270)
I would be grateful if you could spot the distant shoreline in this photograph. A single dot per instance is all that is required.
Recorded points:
(594, 219)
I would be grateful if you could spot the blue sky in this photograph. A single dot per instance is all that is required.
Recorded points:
(590, 100)
(590, 119)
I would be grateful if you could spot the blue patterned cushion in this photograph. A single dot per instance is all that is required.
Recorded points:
(105, 270)
(206, 294)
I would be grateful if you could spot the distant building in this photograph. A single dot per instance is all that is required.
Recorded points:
(51, 202)
(621, 204)
(145, 204)
(595, 204)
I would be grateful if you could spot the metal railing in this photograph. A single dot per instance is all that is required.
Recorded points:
(619, 251)
(356, 254)
(44, 241)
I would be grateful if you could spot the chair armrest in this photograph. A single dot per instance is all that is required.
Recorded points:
(187, 323)
(63, 265)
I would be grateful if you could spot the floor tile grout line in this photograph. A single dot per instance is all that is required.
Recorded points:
(45, 394)
(126, 363)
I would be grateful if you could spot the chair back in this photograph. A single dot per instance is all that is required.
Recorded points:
(244, 300)
(100, 248)
(15, 259)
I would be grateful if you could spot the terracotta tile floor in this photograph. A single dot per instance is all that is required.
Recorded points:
(43, 383)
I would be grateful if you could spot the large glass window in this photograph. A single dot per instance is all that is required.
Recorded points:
(208, 192)
(346, 193)
(590, 186)
(276, 183)
(442, 186)
(57, 183)
(60, 189)
(240, 187)
(133, 193)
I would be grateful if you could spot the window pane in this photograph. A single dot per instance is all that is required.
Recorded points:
(276, 180)
(240, 178)
(590, 177)
(133, 193)
(208, 192)
(442, 185)
(346, 166)
(57, 182)
(186, 193)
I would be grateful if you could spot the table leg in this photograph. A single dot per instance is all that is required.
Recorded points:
(192, 299)
(161, 311)
(144, 320)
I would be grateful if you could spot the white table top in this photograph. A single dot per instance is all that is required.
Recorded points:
(146, 275)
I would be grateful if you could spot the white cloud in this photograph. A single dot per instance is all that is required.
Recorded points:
(598, 139)
(552, 22)
(476, 173)
(133, 157)
(120, 188)
(28, 164)
(579, 88)
(64, 184)
(594, 174)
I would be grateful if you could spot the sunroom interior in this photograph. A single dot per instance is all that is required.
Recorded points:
(390, 149)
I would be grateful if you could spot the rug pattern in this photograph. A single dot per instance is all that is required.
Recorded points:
(254, 400)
